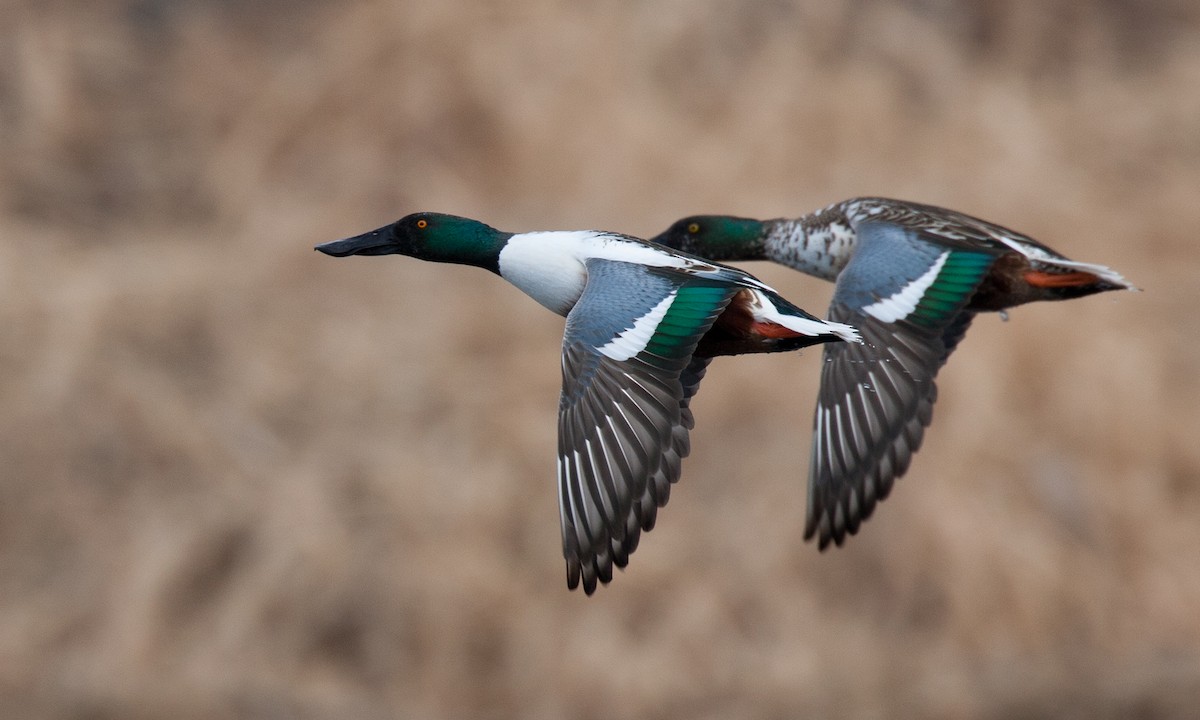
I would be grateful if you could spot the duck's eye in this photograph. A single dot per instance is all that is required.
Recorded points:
(694, 228)
(422, 224)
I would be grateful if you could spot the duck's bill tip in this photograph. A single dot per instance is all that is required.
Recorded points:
(331, 248)
(375, 242)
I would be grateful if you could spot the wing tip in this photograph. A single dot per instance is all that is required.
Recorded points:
(592, 574)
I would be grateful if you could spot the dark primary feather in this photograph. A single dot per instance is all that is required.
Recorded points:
(875, 401)
(623, 423)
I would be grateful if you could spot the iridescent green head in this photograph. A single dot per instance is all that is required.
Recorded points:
(716, 237)
(429, 236)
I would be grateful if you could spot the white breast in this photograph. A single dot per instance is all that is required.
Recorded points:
(550, 266)
(547, 266)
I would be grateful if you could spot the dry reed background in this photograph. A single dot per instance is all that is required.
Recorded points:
(241, 479)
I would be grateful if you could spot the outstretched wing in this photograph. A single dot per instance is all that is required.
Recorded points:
(628, 376)
(906, 295)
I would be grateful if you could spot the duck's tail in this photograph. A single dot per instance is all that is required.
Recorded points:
(776, 317)
(1071, 279)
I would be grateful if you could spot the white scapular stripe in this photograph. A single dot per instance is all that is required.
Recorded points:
(633, 340)
(898, 306)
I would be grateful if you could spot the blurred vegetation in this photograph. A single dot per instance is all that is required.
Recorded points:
(243, 480)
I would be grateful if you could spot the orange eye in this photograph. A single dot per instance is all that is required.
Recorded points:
(422, 224)
(694, 228)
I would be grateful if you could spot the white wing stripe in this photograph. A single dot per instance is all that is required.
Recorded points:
(876, 418)
(604, 475)
(620, 456)
(633, 340)
(585, 498)
(898, 306)
(563, 496)
(849, 458)
(569, 483)
(818, 439)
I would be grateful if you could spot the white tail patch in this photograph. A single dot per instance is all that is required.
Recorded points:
(1100, 271)
(1041, 256)
(633, 340)
(764, 310)
(900, 305)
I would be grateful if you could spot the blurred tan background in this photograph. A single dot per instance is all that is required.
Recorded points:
(245, 480)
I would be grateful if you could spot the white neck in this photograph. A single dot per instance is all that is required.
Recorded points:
(547, 266)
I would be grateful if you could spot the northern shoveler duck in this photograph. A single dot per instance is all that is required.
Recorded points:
(643, 323)
(910, 277)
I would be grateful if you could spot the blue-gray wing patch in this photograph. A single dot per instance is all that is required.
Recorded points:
(628, 376)
(886, 259)
(907, 297)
